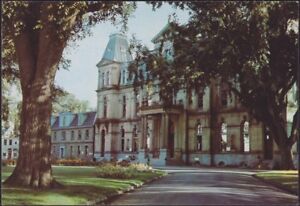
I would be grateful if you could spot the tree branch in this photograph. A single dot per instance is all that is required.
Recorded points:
(94, 7)
(25, 56)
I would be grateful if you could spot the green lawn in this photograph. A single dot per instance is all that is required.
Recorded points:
(81, 185)
(286, 179)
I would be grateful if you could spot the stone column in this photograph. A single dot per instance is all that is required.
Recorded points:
(164, 131)
(143, 132)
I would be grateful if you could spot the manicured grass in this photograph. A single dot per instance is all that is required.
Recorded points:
(80, 185)
(287, 179)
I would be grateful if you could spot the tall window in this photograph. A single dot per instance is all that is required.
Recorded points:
(224, 95)
(79, 134)
(122, 139)
(5, 142)
(127, 145)
(135, 145)
(199, 132)
(71, 151)
(87, 134)
(63, 135)
(62, 152)
(134, 131)
(78, 150)
(224, 140)
(124, 107)
(107, 78)
(200, 100)
(10, 142)
(123, 77)
(72, 135)
(102, 79)
(105, 107)
(55, 136)
(102, 142)
(246, 136)
(136, 104)
(86, 149)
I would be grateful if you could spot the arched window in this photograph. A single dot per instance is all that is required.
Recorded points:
(246, 137)
(134, 139)
(199, 132)
(224, 138)
(104, 107)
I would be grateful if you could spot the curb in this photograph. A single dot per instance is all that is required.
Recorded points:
(277, 185)
(108, 197)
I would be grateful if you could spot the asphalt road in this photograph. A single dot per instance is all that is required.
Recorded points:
(190, 186)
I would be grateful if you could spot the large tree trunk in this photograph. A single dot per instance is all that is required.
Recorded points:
(284, 142)
(38, 57)
(34, 162)
(286, 160)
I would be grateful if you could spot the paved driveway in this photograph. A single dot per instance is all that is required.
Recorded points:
(195, 186)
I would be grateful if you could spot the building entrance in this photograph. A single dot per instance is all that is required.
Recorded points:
(102, 142)
(171, 140)
(268, 145)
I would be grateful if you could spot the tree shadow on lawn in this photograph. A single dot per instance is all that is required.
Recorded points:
(70, 194)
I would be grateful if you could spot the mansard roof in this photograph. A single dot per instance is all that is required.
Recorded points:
(116, 50)
(88, 122)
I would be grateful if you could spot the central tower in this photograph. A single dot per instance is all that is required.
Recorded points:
(114, 101)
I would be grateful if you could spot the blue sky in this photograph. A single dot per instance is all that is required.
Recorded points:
(81, 78)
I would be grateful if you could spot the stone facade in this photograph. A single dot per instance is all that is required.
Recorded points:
(211, 129)
(9, 148)
(9, 142)
(73, 135)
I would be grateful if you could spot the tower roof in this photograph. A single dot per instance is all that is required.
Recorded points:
(116, 50)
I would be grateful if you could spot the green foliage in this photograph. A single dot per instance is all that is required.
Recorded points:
(120, 172)
(11, 106)
(64, 101)
(64, 21)
(252, 46)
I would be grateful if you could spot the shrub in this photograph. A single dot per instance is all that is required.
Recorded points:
(111, 170)
(73, 162)
(8, 162)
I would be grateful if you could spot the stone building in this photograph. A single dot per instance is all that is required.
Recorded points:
(73, 135)
(9, 148)
(9, 142)
(211, 128)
